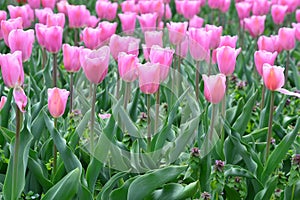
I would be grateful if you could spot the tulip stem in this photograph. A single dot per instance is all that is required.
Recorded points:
(71, 91)
(93, 118)
(270, 125)
(287, 67)
(211, 127)
(262, 103)
(210, 62)
(54, 70)
(54, 151)
(118, 85)
(178, 67)
(148, 123)
(157, 110)
(127, 95)
(44, 58)
(76, 37)
(16, 152)
(197, 79)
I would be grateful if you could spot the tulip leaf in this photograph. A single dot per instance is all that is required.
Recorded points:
(268, 190)
(121, 192)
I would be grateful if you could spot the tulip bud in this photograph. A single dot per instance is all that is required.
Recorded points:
(91, 37)
(149, 77)
(57, 100)
(127, 65)
(177, 32)
(255, 25)
(226, 59)
(273, 77)
(262, 57)
(287, 38)
(71, 56)
(214, 87)
(128, 21)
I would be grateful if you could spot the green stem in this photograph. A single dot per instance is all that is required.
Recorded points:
(127, 95)
(76, 37)
(293, 191)
(178, 68)
(270, 124)
(223, 112)
(71, 91)
(44, 56)
(54, 151)
(16, 152)
(118, 85)
(262, 103)
(197, 80)
(287, 67)
(93, 118)
(54, 70)
(148, 123)
(157, 110)
(211, 127)
(210, 62)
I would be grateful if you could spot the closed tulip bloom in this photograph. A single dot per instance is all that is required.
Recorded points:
(216, 33)
(127, 65)
(178, 6)
(57, 101)
(297, 30)
(190, 9)
(42, 14)
(298, 15)
(196, 22)
(266, 43)
(78, 15)
(262, 57)
(168, 14)
(214, 87)
(145, 6)
(277, 45)
(8, 26)
(278, 13)
(226, 59)
(25, 12)
(261, 7)
(39, 30)
(91, 37)
(20, 40)
(62, 7)
(71, 55)
(199, 40)
(227, 40)
(292, 4)
(56, 20)
(149, 77)
(287, 38)
(164, 57)
(177, 32)
(12, 69)
(255, 25)
(147, 21)
(95, 64)
(20, 98)
(214, 4)
(52, 37)
(273, 77)
(2, 17)
(48, 3)
(243, 9)
(224, 7)
(107, 30)
(125, 44)
(106, 10)
(34, 4)
(2, 102)
(129, 6)
(153, 38)
(128, 21)
(93, 21)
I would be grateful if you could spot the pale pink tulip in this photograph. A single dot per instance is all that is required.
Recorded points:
(214, 87)
(196, 22)
(149, 77)
(129, 6)
(178, 6)
(199, 40)
(2, 17)
(106, 10)
(2, 102)
(128, 21)
(57, 101)
(292, 4)
(153, 38)
(20, 98)
(41, 14)
(255, 25)
(278, 13)
(273, 77)
(215, 35)
(227, 40)
(183, 48)
(226, 59)
(39, 30)
(25, 12)
(147, 21)
(214, 4)
(177, 32)
(78, 15)
(91, 37)
(266, 43)
(48, 3)
(297, 30)
(62, 7)
(92, 21)
(127, 65)
(262, 57)
(52, 38)
(107, 30)
(34, 4)
(190, 9)
(243, 9)
(277, 46)
(261, 7)
(71, 55)
(287, 38)
(8, 26)
(125, 44)
(56, 20)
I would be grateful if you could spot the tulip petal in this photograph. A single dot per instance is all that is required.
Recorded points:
(20, 98)
(287, 92)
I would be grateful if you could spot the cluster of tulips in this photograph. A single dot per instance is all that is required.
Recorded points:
(95, 41)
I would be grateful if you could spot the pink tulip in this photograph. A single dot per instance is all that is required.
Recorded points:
(42, 14)
(48, 4)
(190, 9)
(228, 41)
(127, 65)
(196, 22)
(34, 4)
(177, 32)
(126, 44)
(297, 30)
(266, 43)
(78, 15)
(62, 7)
(52, 37)
(57, 101)
(2, 17)
(147, 21)
(108, 29)
(287, 38)
(25, 12)
(20, 40)
(215, 35)
(129, 6)
(71, 55)
(128, 21)
(183, 48)
(292, 4)
(261, 7)
(214, 4)
(276, 42)
(92, 21)
(91, 37)
(178, 6)
(226, 59)
(255, 25)
(39, 30)
(20, 98)
(153, 38)
(168, 14)
(262, 57)
(56, 20)
(298, 15)
(273, 77)
(145, 7)
(224, 6)
(199, 40)
(149, 77)
(106, 10)
(95, 64)
(8, 26)
(12, 69)
(243, 9)
(162, 56)
(214, 87)
(278, 13)
(2, 102)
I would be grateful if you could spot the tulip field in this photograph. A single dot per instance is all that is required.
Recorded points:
(150, 99)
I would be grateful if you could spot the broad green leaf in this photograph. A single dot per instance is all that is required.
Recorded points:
(121, 192)
(235, 170)
(66, 188)
(5, 112)
(268, 190)
(8, 134)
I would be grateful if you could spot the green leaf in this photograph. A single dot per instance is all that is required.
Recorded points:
(8, 134)
(121, 192)
(279, 152)
(66, 188)
(147, 183)
(268, 190)
(5, 112)
(235, 170)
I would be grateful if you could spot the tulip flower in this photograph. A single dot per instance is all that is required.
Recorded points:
(190, 8)
(287, 38)
(278, 13)
(129, 6)
(226, 59)
(127, 65)
(56, 20)
(227, 40)
(128, 21)
(261, 7)
(52, 38)
(255, 25)
(34, 4)
(126, 44)
(78, 15)
(92, 21)
(48, 4)
(149, 77)
(2, 102)
(145, 7)
(199, 40)
(62, 7)
(25, 12)
(147, 21)
(214, 4)
(2, 17)
(196, 22)
(298, 15)
(8, 26)
(71, 57)
(276, 42)
(153, 38)
(41, 14)
(177, 32)
(214, 87)
(215, 35)
(224, 6)
(297, 30)
(183, 47)
(91, 37)
(20, 40)
(261, 57)
(266, 43)
(106, 10)
(292, 4)
(57, 100)
(95, 64)
(107, 30)
(12, 69)
(20, 98)
(273, 77)
(243, 9)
